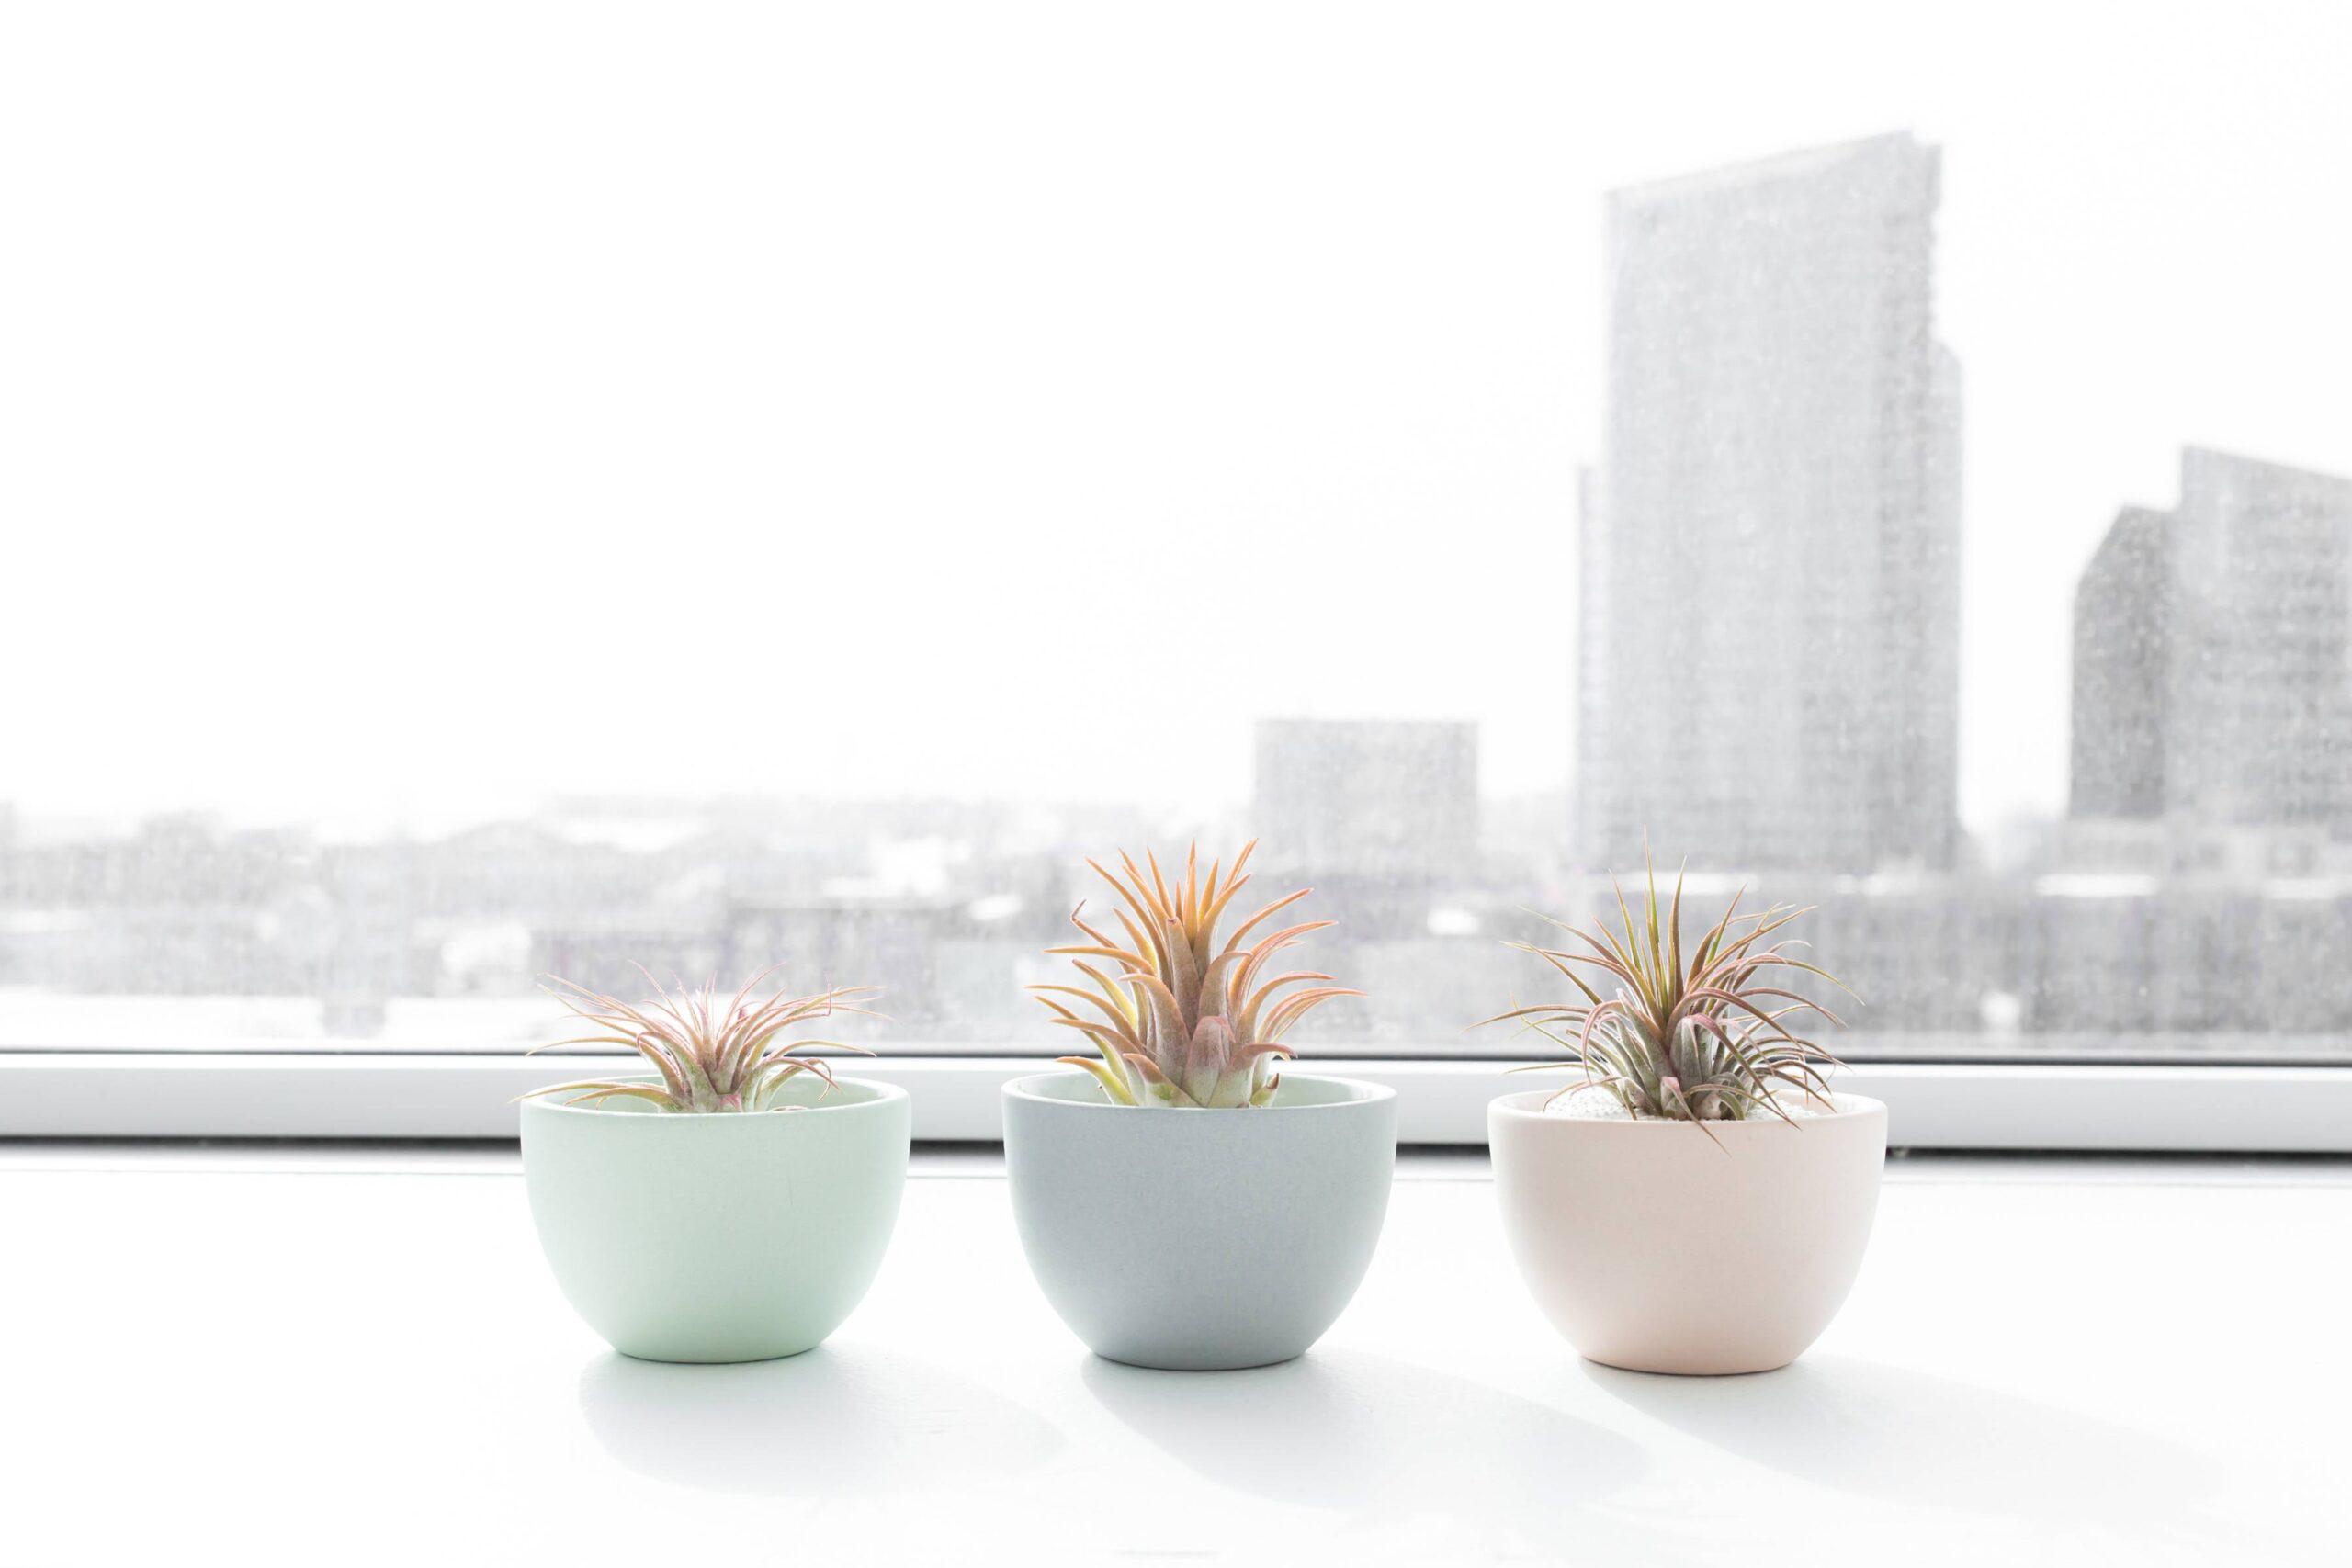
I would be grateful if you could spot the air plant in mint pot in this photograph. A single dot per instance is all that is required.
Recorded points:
(1181, 1105)
(732, 1203)
(1700, 1199)
(709, 1057)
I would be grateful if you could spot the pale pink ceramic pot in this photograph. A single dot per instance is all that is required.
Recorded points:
(1651, 1247)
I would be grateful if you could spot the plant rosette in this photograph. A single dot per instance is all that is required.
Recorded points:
(725, 1237)
(1196, 1239)
(1668, 1246)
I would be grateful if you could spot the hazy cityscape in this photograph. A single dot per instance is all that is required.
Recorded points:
(1765, 682)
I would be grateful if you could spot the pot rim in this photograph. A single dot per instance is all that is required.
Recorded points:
(1366, 1094)
(883, 1094)
(1527, 1105)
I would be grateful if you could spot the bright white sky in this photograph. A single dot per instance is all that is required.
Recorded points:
(407, 410)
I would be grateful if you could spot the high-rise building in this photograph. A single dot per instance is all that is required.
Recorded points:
(2123, 629)
(2213, 654)
(1770, 586)
(1390, 801)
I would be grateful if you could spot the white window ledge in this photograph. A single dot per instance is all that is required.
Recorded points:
(1945, 1106)
(2052, 1366)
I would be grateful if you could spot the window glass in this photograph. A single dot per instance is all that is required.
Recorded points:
(497, 489)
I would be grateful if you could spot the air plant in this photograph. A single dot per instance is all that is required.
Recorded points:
(1179, 1020)
(711, 1056)
(1706, 1040)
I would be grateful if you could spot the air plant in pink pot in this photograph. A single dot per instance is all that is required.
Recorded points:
(1705, 1040)
(1701, 1113)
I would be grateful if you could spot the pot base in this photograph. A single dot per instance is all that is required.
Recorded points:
(1687, 1369)
(1183, 1363)
(678, 1357)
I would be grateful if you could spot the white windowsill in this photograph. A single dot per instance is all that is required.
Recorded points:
(2053, 1364)
(1953, 1106)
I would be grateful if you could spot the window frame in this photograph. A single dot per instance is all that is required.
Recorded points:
(2118, 1107)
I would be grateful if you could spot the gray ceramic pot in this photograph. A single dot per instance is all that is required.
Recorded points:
(1197, 1240)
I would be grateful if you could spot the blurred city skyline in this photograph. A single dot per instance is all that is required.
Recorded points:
(1776, 635)
(303, 559)
(1728, 505)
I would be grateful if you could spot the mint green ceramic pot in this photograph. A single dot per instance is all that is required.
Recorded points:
(1196, 1240)
(722, 1237)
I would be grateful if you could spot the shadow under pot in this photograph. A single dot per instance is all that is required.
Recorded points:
(1199, 1240)
(726, 1237)
(1653, 1247)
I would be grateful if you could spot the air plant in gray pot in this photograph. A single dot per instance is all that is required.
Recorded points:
(1183, 1104)
(1181, 1020)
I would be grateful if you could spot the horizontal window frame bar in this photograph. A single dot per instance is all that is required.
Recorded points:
(2115, 1108)
(1855, 1047)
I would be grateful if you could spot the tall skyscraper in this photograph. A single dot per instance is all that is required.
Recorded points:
(1770, 578)
(2213, 654)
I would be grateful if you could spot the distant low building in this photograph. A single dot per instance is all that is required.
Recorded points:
(819, 943)
(1386, 800)
(604, 955)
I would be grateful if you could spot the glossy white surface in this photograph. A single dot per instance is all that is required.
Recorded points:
(358, 1358)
